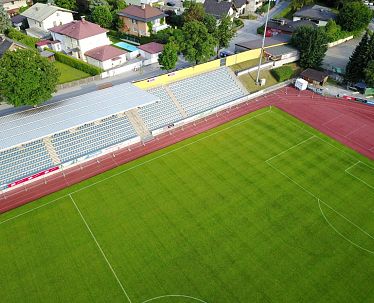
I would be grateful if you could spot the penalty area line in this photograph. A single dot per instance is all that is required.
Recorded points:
(100, 249)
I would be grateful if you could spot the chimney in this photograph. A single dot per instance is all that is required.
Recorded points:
(143, 5)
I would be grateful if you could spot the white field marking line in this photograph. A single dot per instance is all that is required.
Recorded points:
(332, 119)
(318, 199)
(339, 233)
(341, 150)
(359, 179)
(100, 249)
(292, 147)
(168, 296)
(140, 164)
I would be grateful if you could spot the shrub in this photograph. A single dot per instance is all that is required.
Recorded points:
(78, 64)
(238, 23)
(260, 30)
(21, 37)
(282, 73)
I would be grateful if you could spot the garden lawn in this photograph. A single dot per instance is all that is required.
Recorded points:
(260, 209)
(68, 73)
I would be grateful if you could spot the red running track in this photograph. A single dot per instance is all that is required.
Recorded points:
(350, 123)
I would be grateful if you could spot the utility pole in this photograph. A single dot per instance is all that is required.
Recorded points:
(263, 44)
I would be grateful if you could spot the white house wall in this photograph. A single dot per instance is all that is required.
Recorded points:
(93, 42)
(56, 19)
(108, 64)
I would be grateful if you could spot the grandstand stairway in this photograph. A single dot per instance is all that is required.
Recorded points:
(51, 150)
(138, 123)
(176, 102)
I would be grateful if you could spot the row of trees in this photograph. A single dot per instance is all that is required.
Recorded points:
(198, 39)
(360, 66)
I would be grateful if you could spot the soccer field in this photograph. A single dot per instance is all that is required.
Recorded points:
(261, 209)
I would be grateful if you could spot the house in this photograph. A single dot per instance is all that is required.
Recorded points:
(78, 37)
(54, 45)
(284, 26)
(106, 57)
(219, 9)
(318, 14)
(41, 17)
(256, 44)
(12, 6)
(7, 44)
(19, 21)
(150, 52)
(140, 20)
(315, 77)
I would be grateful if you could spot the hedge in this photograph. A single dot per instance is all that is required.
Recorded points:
(260, 29)
(21, 37)
(282, 73)
(140, 40)
(78, 64)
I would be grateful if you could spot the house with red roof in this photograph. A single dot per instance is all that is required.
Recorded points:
(79, 37)
(150, 52)
(106, 57)
(142, 20)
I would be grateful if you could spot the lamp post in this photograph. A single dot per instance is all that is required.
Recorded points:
(263, 44)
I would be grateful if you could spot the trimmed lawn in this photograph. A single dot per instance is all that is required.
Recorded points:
(246, 64)
(68, 73)
(260, 209)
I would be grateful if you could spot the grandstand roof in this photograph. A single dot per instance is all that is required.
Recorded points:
(46, 120)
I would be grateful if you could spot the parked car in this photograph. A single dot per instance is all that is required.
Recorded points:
(223, 54)
(170, 3)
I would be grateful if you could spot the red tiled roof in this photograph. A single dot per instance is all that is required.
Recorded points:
(152, 47)
(149, 12)
(43, 42)
(106, 52)
(78, 29)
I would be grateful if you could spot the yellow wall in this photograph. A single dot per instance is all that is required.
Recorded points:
(244, 56)
(178, 75)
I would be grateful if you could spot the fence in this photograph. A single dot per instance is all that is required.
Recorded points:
(339, 41)
(78, 82)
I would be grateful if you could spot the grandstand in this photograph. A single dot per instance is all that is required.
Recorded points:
(75, 129)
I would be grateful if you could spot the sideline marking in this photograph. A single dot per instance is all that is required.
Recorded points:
(168, 296)
(99, 247)
(143, 163)
(359, 179)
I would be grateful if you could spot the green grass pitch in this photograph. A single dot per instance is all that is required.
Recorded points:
(261, 209)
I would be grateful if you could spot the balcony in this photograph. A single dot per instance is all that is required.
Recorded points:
(159, 27)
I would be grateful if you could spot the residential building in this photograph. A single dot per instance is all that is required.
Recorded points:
(54, 45)
(7, 44)
(41, 17)
(19, 21)
(284, 26)
(12, 6)
(219, 9)
(315, 77)
(78, 37)
(140, 2)
(318, 14)
(106, 57)
(150, 52)
(142, 20)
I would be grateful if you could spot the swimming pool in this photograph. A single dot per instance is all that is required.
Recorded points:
(127, 46)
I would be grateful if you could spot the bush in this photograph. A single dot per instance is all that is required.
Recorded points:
(260, 30)
(21, 37)
(78, 64)
(282, 73)
(238, 23)
(135, 39)
(334, 32)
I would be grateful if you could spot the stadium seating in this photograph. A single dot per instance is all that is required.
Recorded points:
(91, 137)
(19, 162)
(206, 91)
(162, 113)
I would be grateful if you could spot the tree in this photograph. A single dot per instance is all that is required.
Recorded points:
(102, 16)
(357, 63)
(27, 78)
(4, 20)
(369, 74)
(211, 23)
(94, 3)
(67, 4)
(169, 56)
(354, 16)
(195, 12)
(312, 44)
(297, 4)
(225, 32)
(198, 45)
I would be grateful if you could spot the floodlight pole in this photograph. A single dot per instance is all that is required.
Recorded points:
(263, 44)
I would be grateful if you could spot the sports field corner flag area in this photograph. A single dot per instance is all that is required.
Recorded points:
(261, 209)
